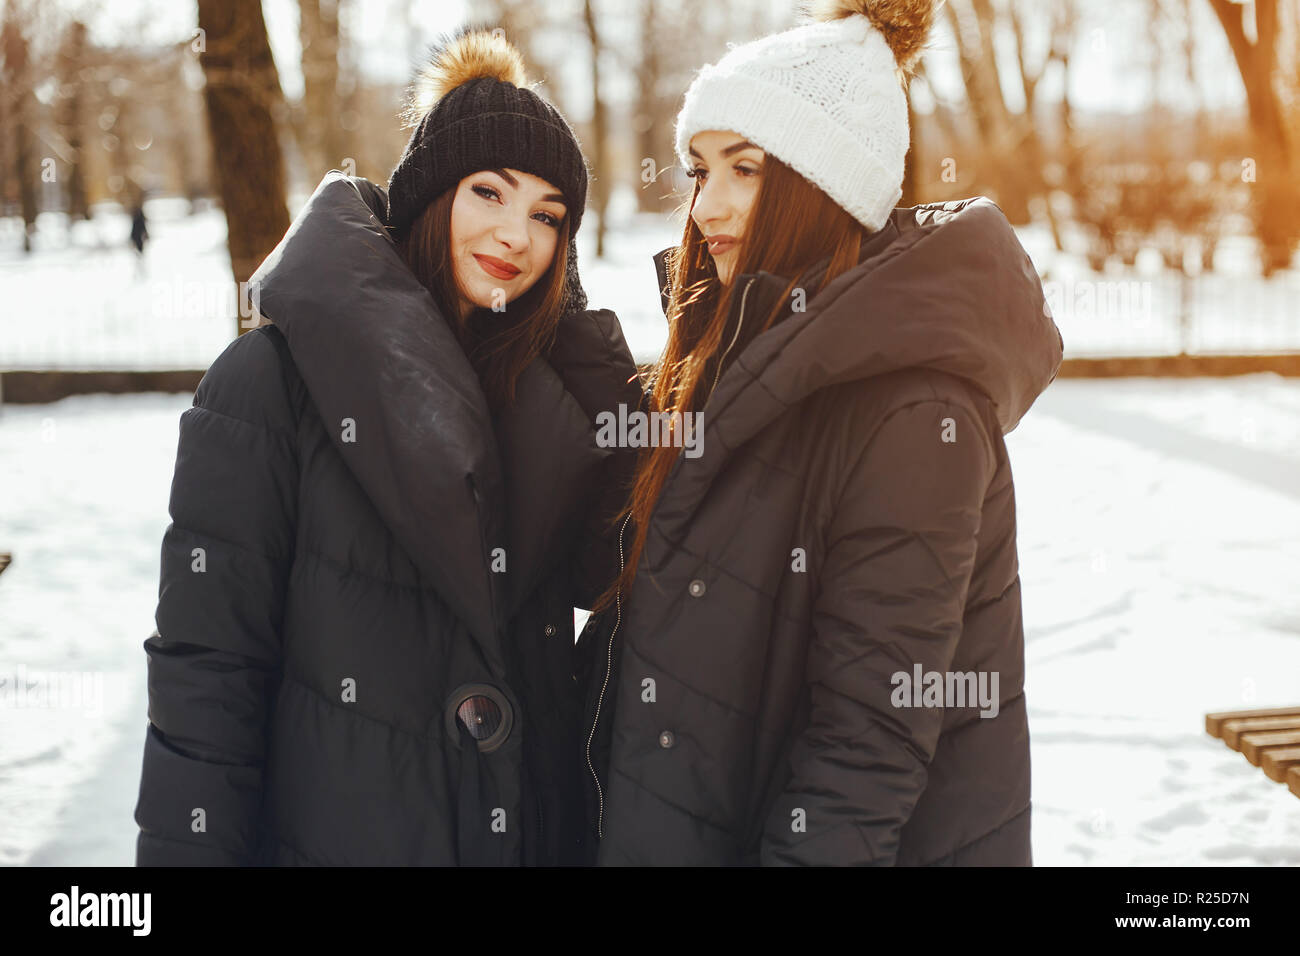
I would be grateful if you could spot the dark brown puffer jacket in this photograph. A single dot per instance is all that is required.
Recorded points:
(851, 519)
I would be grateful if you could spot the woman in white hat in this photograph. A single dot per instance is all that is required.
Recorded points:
(814, 652)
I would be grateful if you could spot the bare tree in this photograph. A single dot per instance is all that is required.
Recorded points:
(1277, 204)
(973, 27)
(317, 120)
(243, 96)
(20, 110)
(599, 190)
(6, 130)
(647, 119)
(1062, 25)
(73, 68)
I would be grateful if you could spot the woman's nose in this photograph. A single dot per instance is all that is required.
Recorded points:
(512, 232)
(710, 207)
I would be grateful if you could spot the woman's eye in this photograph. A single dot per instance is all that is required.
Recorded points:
(746, 171)
(487, 192)
(699, 172)
(549, 219)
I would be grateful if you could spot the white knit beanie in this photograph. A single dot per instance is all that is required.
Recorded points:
(824, 98)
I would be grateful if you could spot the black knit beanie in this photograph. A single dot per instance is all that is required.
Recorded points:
(471, 111)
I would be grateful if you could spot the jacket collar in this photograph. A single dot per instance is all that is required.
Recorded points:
(372, 346)
(763, 289)
(943, 285)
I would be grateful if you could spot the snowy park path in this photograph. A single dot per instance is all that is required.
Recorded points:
(1159, 547)
(1160, 556)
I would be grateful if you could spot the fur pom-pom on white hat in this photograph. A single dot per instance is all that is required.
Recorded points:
(905, 24)
(825, 98)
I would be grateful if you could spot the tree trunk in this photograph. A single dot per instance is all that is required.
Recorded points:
(21, 116)
(72, 94)
(1277, 199)
(1024, 128)
(242, 94)
(599, 190)
(648, 122)
(992, 119)
(319, 133)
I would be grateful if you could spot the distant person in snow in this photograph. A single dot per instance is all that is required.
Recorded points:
(139, 233)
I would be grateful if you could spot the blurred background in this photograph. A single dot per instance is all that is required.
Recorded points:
(152, 152)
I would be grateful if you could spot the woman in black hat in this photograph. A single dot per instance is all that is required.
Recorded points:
(386, 504)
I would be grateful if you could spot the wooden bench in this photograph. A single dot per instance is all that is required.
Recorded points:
(1269, 739)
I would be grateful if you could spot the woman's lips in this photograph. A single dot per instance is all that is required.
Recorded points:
(720, 246)
(496, 268)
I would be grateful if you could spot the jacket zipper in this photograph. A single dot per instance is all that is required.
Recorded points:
(739, 322)
(618, 604)
(609, 664)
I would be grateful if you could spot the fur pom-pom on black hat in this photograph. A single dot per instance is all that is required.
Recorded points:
(469, 109)
(466, 55)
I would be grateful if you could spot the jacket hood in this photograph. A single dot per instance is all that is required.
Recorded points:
(373, 348)
(945, 286)
(950, 288)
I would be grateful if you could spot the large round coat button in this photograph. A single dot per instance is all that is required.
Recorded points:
(481, 716)
(666, 739)
(550, 630)
(484, 711)
(696, 588)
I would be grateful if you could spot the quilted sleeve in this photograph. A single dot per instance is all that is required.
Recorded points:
(213, 664)
(900, 551)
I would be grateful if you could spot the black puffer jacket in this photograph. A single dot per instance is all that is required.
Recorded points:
(851, 518)
(332, 589)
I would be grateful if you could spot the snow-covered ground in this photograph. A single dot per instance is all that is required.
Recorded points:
(83, 502)
(1160, 554)
(1159, 550)
(82, 301)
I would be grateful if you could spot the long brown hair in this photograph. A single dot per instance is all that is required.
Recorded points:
(791, 225)
(499, 345)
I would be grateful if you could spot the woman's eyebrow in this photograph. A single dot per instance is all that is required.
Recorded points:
(733, 148)
(549, 197)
